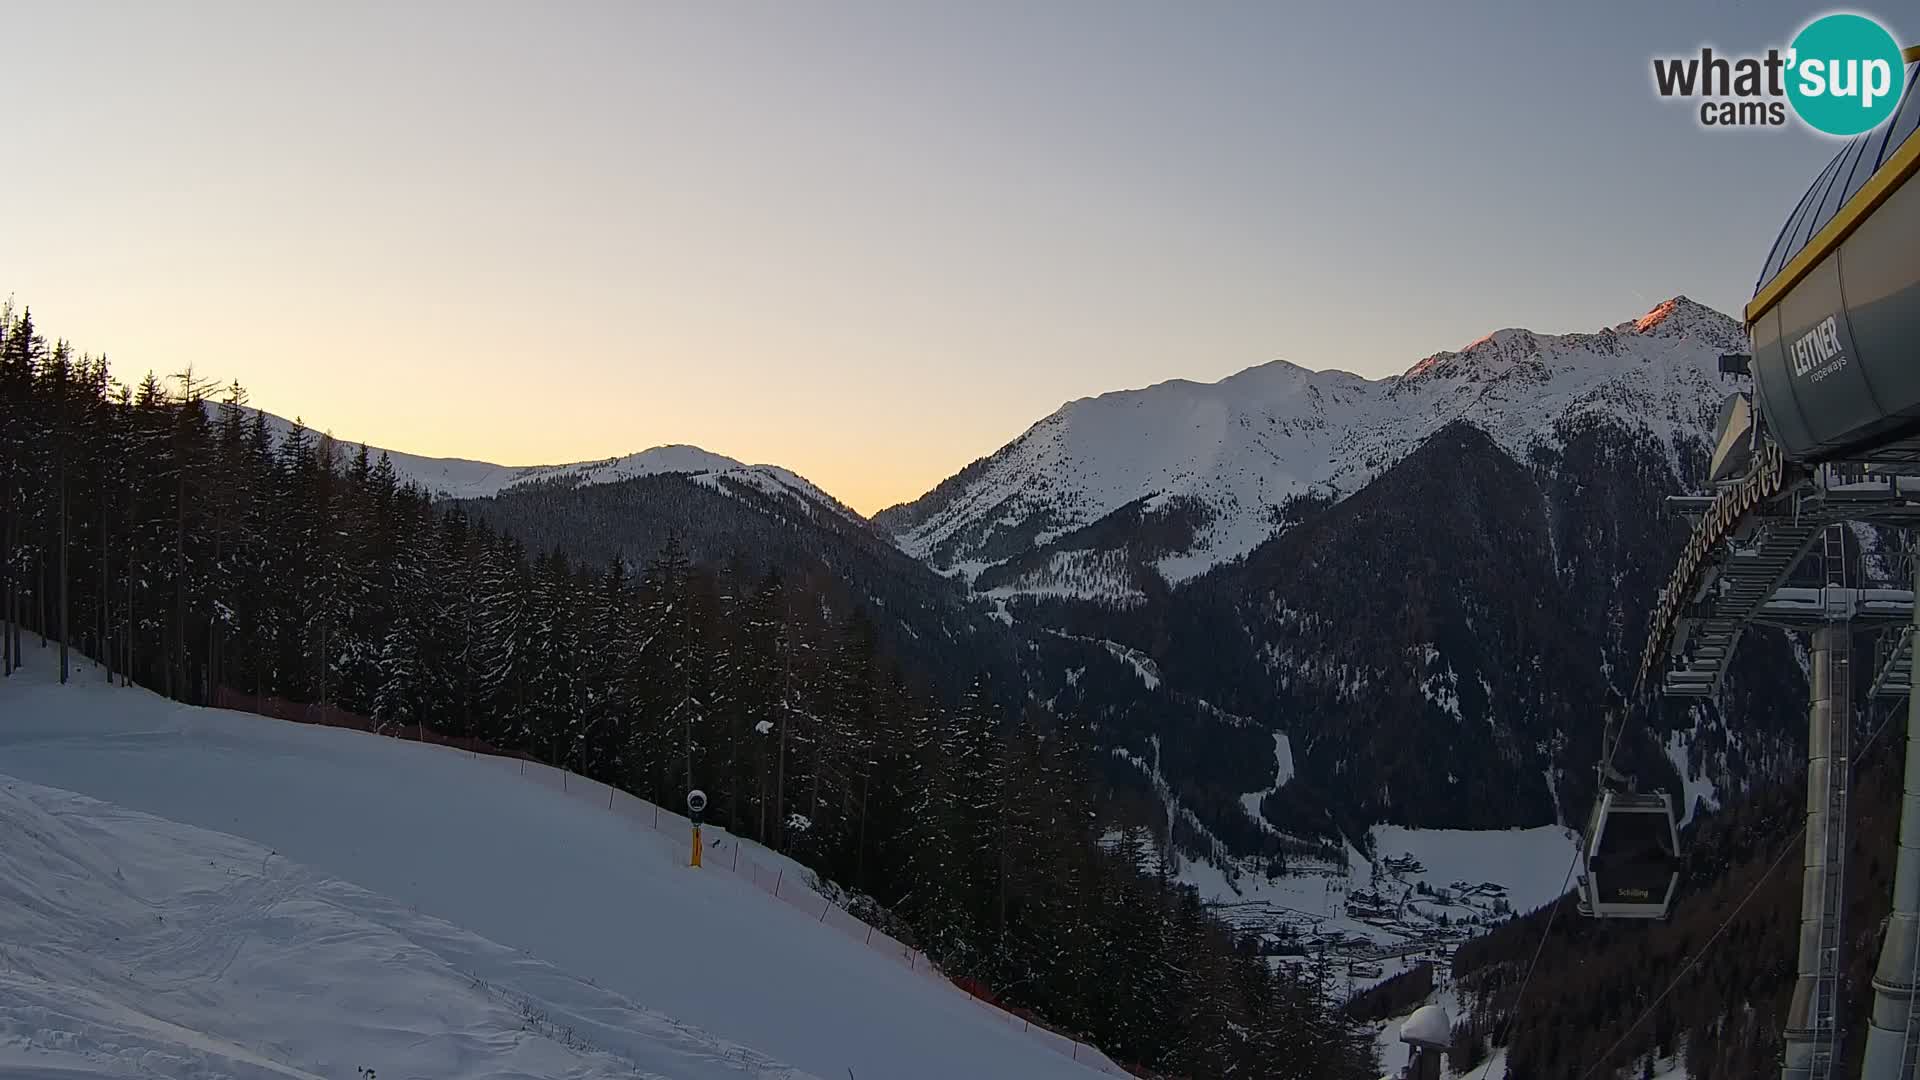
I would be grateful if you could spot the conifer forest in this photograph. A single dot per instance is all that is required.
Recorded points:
(158, 533)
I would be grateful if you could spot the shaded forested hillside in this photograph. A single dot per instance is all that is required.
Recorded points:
(1597, 979)
(151, 538)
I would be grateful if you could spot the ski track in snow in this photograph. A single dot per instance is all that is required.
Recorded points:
(139, 944)
(1283, 772)
(597, 920)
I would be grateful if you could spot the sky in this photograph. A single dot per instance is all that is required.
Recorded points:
(870, 242)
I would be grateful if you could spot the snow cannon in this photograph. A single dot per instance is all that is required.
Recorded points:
(696, 804)
(1428, 1033)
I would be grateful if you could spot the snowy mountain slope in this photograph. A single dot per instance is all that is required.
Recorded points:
(530, 868)
(1435, 647)
(1225, 457)
(459, 478)
(139, 944)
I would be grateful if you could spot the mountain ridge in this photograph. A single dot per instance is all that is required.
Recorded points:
(467, 478)
(1098, 561)
(1424, 583)
(1229, 455)
(461, 478)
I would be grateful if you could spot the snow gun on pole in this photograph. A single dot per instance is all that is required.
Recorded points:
(696, 802)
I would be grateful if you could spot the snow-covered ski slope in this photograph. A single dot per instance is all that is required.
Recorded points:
(139, 946)
(586, 893)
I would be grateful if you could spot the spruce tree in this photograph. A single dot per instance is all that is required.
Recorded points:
(197, 550)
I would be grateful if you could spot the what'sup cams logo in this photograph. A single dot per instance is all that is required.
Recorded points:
(1842, 75)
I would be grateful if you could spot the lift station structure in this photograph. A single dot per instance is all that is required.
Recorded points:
(1827, 438)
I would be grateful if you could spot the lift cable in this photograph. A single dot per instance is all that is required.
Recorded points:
(1762, 880)
(1554, 912)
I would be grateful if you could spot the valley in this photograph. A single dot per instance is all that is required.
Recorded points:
(1182, 564)
(1084, 562)
(1320, 660)
(852, 541)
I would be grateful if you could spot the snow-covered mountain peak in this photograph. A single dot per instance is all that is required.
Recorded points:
(1488, 357)
(1510, 341)
(461, 478)
(683, 457)
(1682, 317)
(1226, 456)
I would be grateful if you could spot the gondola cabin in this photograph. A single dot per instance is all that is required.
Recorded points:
(1631, 857)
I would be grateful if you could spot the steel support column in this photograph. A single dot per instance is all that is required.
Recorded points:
(1812, 1031)
(1892, 1053)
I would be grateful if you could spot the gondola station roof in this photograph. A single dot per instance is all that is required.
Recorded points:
(1835, 317)
(1835, 331)
(1837, 184)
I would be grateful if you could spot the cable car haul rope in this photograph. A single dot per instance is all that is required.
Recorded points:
(1793, 843)
(1830, 434)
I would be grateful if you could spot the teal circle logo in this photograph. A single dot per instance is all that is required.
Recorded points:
(1844, 74)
